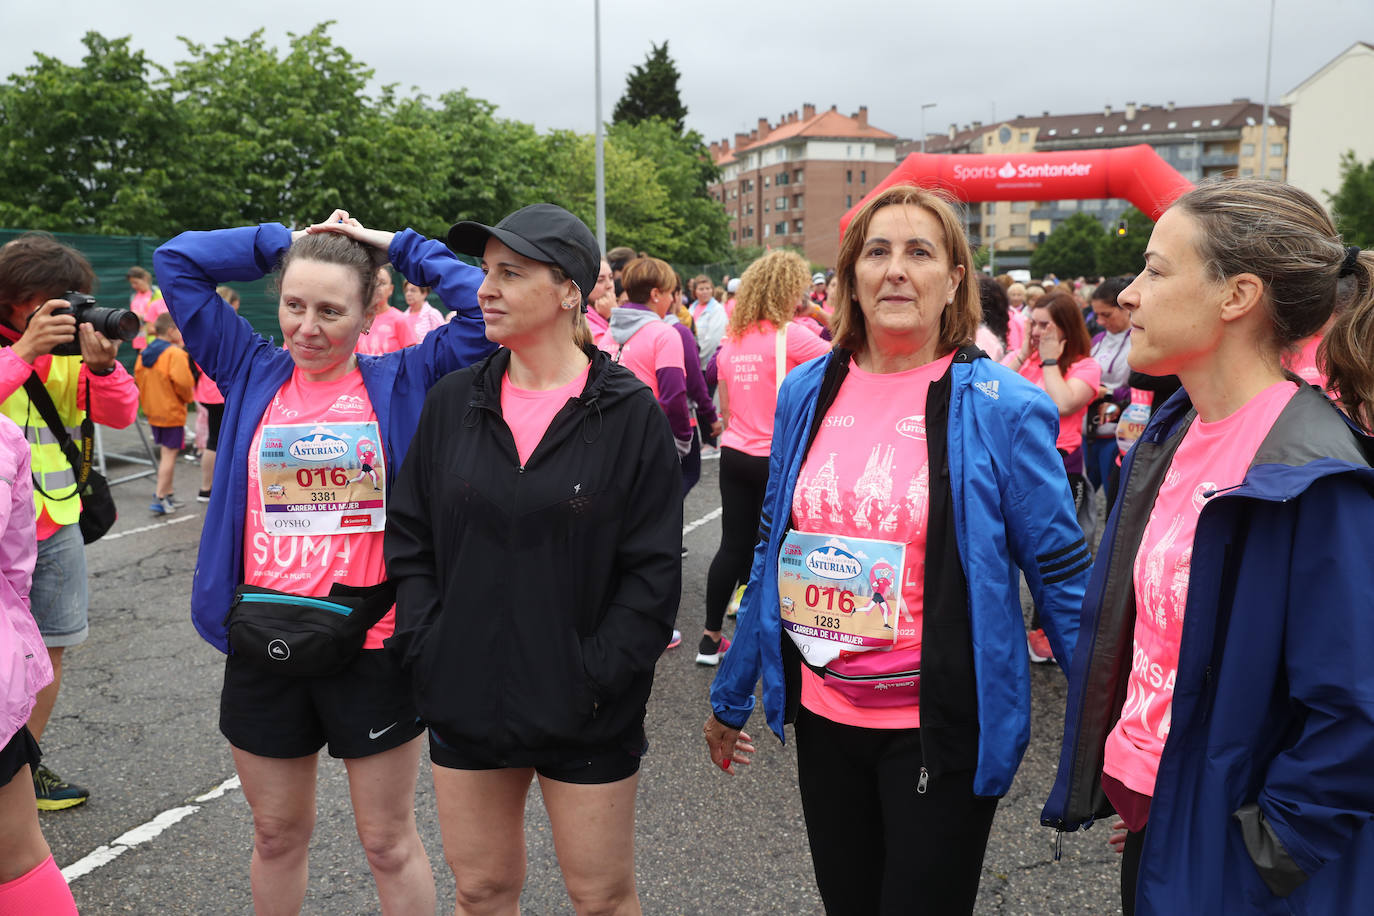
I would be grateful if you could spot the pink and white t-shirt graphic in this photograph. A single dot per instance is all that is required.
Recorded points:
(1212, 457)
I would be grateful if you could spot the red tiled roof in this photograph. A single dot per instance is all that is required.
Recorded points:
(823, 125)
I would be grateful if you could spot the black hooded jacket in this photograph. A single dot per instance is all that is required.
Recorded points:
(534, 601)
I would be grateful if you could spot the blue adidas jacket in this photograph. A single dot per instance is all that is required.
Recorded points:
(1011, 508)
(250, 368)
(1265, 792)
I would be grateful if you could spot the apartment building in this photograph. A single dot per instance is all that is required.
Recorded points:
(1328, 120)
(789, 183)
(1200, 141)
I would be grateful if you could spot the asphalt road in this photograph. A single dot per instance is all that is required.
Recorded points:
(165, 833)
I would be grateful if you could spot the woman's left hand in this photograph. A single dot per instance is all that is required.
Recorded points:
(1051, 344)
(340, 222)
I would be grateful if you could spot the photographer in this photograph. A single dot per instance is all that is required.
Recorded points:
(35, 269)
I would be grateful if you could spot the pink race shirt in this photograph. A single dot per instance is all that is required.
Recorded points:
(421, 322)
(147, 308)
(390, 331)
(747, 370)
(1070, 427)
(311, 564)
(654, 346)
(1303, 364)
(1211, 457)
(868, 475)
(529, 413)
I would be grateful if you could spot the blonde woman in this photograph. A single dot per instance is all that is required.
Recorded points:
(534, 535)
(749, 371)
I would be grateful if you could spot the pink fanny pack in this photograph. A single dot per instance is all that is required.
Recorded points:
(876, 679)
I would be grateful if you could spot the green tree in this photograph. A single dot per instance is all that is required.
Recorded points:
(86, 148)
(1070, 250)
(1124, 254)
(684, 169)
(651, 91)
(1353, 203)
(272, 138)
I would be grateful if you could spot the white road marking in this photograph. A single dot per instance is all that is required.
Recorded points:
(123, 534)
(143, 833)
(708, 517)
(104, 855)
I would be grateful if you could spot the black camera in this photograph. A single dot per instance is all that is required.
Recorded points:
(116, 324)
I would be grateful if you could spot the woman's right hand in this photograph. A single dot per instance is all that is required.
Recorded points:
(727, 745)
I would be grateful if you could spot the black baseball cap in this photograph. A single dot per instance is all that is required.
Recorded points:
(543, 232)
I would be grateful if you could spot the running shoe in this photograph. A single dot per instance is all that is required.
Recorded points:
(159, 507)
(1038, 645)
(684, 551)
(203, 496)
(736, 600)
(675, 641)
(710, 650)
(53, 793)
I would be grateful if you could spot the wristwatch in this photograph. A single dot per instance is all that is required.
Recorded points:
(1049, 362)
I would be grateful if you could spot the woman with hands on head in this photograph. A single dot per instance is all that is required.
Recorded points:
(905, 469)
(291, 523)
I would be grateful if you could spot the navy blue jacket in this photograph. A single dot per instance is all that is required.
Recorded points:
(250, 369)
(1003, 488)
(1265, 790)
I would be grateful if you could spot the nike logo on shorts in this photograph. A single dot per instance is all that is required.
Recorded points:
(374, 735)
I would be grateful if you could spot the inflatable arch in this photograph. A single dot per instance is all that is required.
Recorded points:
(1135, 173)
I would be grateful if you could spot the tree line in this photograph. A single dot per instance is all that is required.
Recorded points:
(240, 132)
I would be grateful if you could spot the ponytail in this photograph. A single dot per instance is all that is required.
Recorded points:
(1346, 355)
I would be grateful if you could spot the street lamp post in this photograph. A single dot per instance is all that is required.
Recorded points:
(600, 140)
(1264, 118)
(923, 123)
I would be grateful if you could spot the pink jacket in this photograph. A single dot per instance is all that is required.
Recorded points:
(24, 665)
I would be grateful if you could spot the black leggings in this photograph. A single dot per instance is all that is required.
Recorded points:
(743, 479)
(1130, 870)
(879, 844)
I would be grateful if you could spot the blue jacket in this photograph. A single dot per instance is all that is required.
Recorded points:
(1009, 501)
(250, 369)
(1265, 791)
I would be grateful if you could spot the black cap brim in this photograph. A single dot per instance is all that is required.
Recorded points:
(470, 238)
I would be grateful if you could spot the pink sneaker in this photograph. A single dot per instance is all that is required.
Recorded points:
(709, 651)
(1038, 645)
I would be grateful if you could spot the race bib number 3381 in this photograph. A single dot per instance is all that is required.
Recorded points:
(327, 478)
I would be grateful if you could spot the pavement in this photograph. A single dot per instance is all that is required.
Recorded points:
(167, 829)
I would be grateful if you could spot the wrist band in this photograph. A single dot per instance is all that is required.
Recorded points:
(1049, 362)
(99, 374)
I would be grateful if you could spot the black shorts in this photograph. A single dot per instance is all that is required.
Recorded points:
(363, 710)
(21, 749)
(592, 766)
(214, 416)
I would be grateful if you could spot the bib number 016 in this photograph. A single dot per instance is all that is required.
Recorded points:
(835, 599)
(321, 477)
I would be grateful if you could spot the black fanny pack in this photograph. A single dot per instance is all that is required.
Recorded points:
(301, 636)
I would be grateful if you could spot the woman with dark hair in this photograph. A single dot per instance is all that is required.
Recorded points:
(908, 466)
(996, 320)
(1223, 702)
(534, 537)
(298, 526)
(1054, 355)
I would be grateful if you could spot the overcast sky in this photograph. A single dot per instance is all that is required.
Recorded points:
(743, 60)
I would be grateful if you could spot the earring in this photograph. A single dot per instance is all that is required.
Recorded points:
(367, 330)
(567, 305)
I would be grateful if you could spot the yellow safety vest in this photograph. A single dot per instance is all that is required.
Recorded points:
(52, 473)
